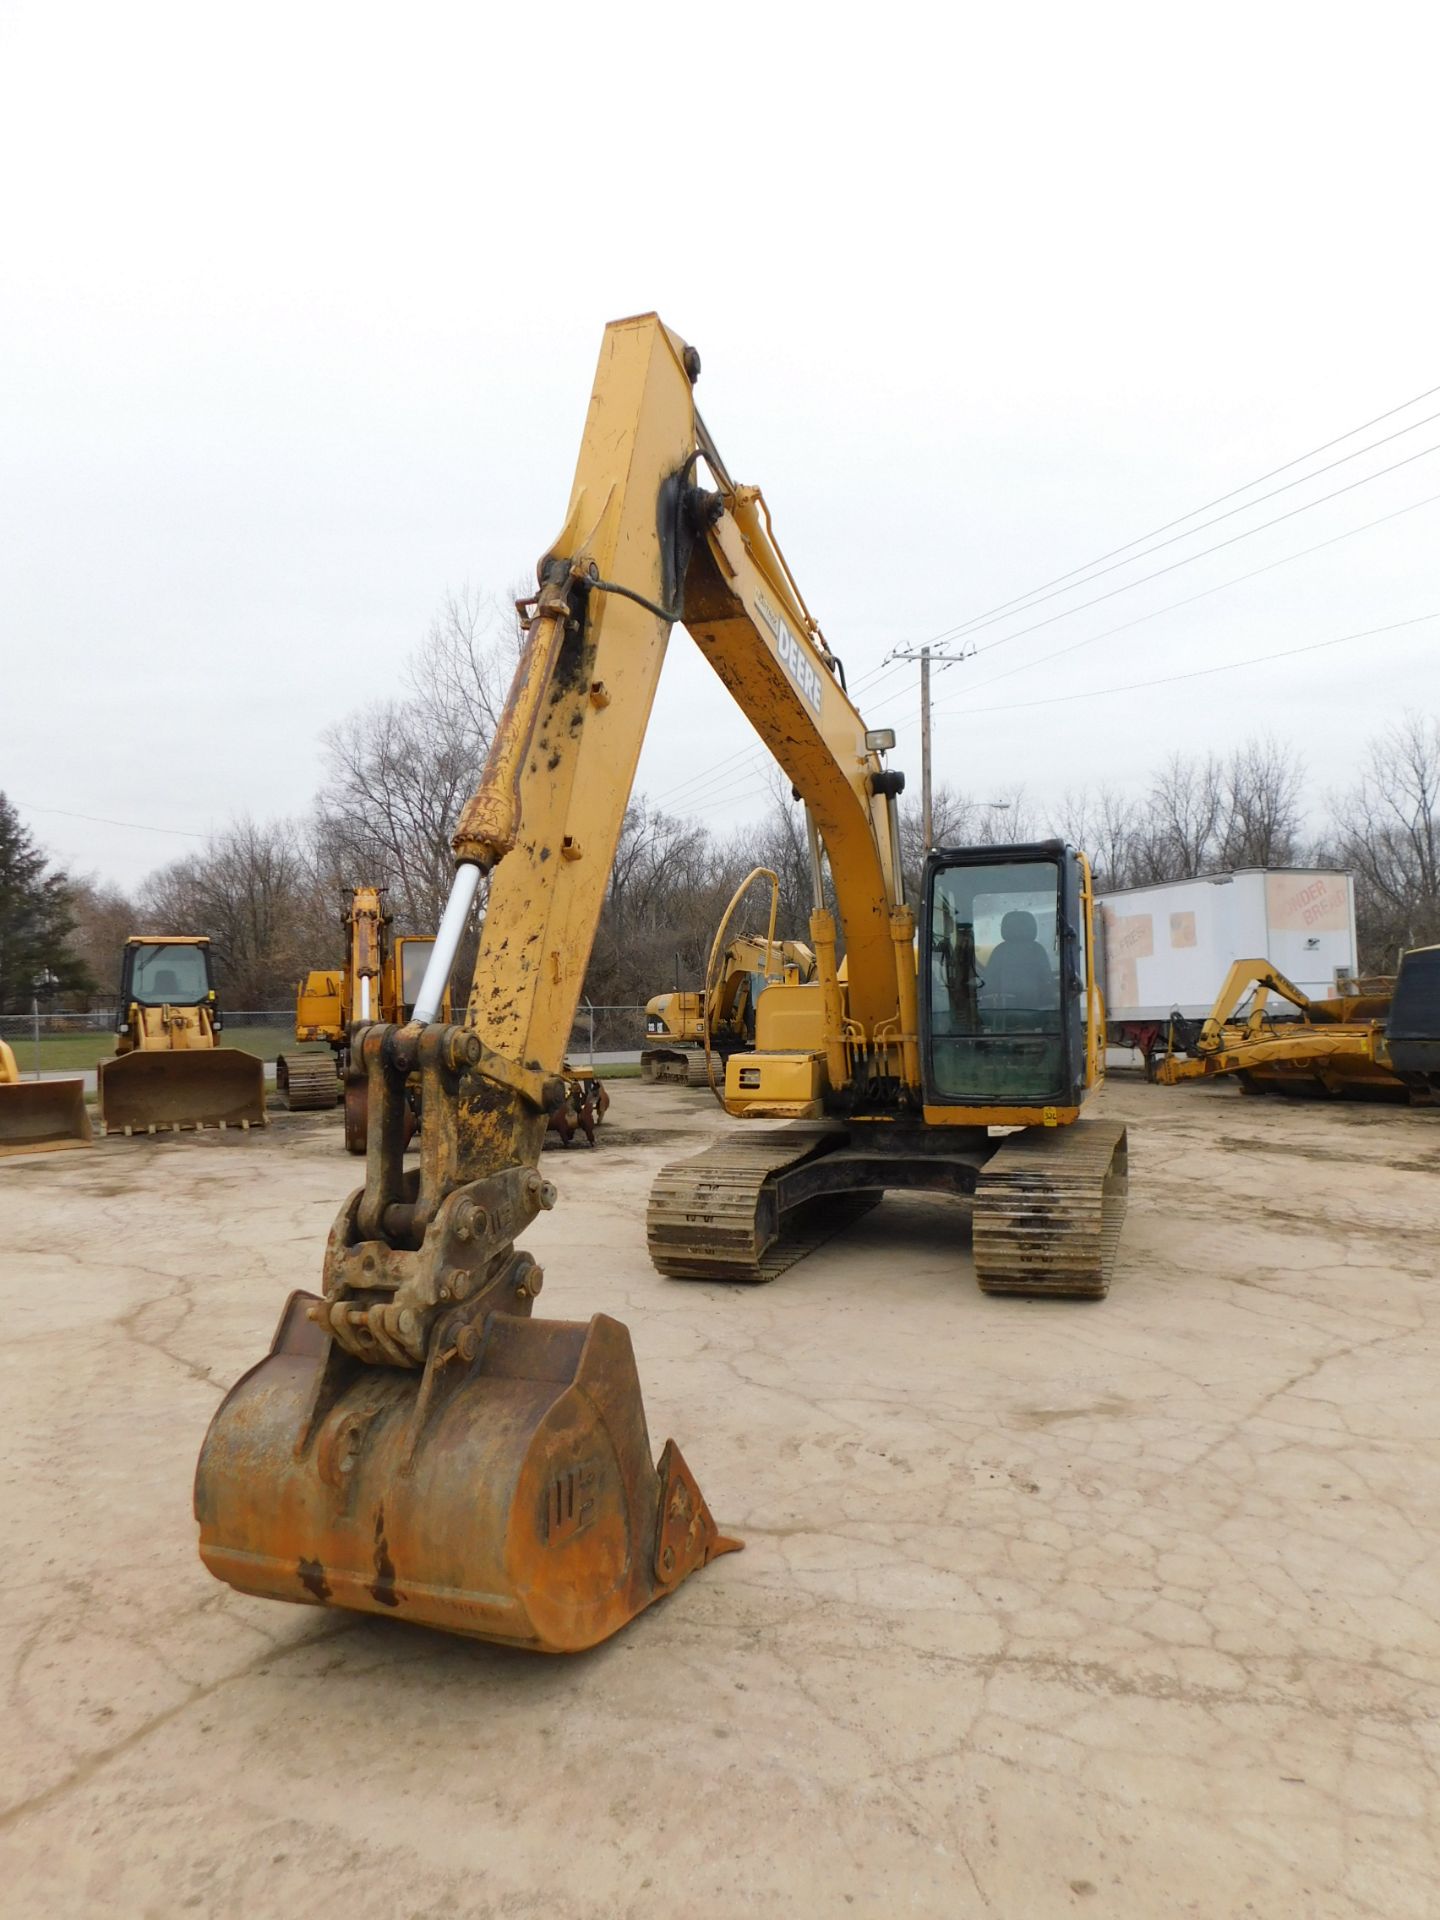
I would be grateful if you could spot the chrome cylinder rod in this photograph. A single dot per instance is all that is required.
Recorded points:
(447, 941)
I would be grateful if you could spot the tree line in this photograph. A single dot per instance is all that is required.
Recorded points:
(395, 774)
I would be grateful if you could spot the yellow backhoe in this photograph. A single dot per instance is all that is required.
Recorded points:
(40, 1116)
(379, 981)
(170, 1071)
(417, 1444)
(1377, 1038)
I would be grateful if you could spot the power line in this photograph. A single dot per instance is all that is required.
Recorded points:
(1189, 600)
(994, 613)
(1199, 673)
(102, 820)
(693, 785)
(974, 626)
(1187, 559)
(688, 792)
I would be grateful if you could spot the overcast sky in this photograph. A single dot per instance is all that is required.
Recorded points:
(299, 309)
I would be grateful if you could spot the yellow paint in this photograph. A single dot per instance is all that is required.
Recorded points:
(761, 1079)
(1000, 1116)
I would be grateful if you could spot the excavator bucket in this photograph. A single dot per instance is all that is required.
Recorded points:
(505, 1492)
(171, 1089)
(43, 1116)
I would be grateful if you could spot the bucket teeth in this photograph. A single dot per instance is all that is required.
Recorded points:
(174, 1089)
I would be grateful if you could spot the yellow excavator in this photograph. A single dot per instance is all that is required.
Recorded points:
(417, 1444)
(687, 1032)
(170, 1071)
(379, 981)
(40, 1116)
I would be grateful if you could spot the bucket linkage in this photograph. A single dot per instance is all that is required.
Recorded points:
(416, 1443)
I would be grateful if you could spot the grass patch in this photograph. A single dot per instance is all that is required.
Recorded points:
(77, 1052)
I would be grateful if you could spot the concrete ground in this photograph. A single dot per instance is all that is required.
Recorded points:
(1047, 1609)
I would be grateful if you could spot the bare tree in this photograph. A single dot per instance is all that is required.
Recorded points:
(105, 917)
(1182, 818)
(1106, 825)
(668, 887)
(960, 820)
(1387, 832)
(252, 891)
(399, 771)
(1262, 821)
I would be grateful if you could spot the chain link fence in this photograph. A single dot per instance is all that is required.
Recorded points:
(607, 1030)
(56, 1041)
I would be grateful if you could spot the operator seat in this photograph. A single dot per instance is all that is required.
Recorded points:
(1019, 973)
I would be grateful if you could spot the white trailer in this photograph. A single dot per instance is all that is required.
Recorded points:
(1168, 947)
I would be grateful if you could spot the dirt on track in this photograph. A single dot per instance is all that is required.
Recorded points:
(1047, 1608)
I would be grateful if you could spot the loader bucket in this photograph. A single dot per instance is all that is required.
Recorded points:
(506, 1493)
(43, 1116)
(169, 1090)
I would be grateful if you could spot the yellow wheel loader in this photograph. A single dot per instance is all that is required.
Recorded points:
(417, 1443)
(1377, 1038)
(40, 1116)
(170, 1071)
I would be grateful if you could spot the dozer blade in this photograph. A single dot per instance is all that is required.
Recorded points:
(167, 1091)
(506, 1492)
(43, 1116)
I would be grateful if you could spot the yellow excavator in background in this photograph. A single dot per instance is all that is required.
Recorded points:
(684, 1027)
(379, 981)
(417, 1444)
(40, 1116)
(170, 1071)
(1377, 1038)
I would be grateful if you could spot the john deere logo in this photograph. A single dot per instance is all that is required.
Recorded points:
(793, 656)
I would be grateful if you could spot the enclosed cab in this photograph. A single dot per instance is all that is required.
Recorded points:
(1007, 1000)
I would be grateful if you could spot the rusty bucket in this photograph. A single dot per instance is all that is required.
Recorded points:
(43, 1116)
(507, 1492)
(174, 1088)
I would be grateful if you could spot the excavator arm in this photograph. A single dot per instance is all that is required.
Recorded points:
(416, 1442)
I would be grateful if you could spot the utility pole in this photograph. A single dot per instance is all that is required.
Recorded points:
(926, 826)
(924, 656)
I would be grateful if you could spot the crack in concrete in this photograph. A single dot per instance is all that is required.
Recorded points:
(86, 1770)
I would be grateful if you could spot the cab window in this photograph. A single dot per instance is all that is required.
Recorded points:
(996, 1033)
(169, 976)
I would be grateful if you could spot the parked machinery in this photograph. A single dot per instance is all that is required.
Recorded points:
(40, 1116)
(417, 1444)
(170, 1071)
(685, 1032)
(379, 980)
(1377, 1037)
